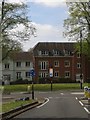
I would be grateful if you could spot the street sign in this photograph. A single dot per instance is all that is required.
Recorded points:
(32, 72)
(51, 72)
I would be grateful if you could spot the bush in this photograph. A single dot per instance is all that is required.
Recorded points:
(88, 80)
(44, 80)
(66, 80)
(55, 80)
(20, 81)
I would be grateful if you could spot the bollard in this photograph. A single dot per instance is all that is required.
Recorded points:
(86, 91)
(28, 89)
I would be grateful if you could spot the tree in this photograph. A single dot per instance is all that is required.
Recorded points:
(78, 20)
(14, 17)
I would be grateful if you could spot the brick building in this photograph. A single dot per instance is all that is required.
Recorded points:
(62, 58)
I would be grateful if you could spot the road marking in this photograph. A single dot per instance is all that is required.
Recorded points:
(76, 98)
(43, 103)
(77, 93)
(50, 97)
(80, 102)
(86, 110)
(84, 107)
(57, 97)
(62, 93)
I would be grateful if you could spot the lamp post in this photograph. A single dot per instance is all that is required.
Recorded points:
(81, 77)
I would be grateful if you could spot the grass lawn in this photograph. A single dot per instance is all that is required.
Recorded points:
(14, 104)
(42, 87)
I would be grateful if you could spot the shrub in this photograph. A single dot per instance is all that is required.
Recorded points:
(20, 81)
(66, 80)
(44, 80)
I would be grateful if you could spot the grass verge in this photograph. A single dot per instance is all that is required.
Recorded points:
(42, 87)
(14, 104)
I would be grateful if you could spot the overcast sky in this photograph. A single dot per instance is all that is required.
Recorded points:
(48, 17)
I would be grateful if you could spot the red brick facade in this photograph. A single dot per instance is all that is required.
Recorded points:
(64, 60)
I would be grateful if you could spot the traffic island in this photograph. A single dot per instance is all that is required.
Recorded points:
(18, 110)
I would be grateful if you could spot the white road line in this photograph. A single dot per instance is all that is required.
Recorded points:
(86, 110)
(84, 107)
(81, 103)
(43, 103)
(62, 93)
(50, 97)
(57, 97)
(77, 93)
(76, 98)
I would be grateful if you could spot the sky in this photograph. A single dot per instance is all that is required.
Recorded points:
(48, 18)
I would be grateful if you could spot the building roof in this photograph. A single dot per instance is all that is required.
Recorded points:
(22, 56)
(52, 46)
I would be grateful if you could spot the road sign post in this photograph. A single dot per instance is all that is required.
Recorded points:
(32, 74)
(51, 76)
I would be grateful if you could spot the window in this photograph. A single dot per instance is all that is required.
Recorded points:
(56, 52)
(78, 77)
(78, 55)
(67, 63)
(7, 66)
(6, 77)
(43, 65)
(67, 74)
(67, 52)
(18, 64)
(27, 64)
(56, 74)
(18, 75)
(78, 65)
(56, 63)
(43, 74)
(27, 74)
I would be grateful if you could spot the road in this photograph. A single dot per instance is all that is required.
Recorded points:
(61, 104)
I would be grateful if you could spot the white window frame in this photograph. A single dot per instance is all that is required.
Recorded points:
(27, 74)
(66, 74)
(27, 64)
(56, 63)
(18, 64)
(43, 52)
(43, 65)
(18, 75)
(78, 55)
(56, 74)
(67, 61)
(43, 74)
(7, 65)
(56, 52)
(78, 65)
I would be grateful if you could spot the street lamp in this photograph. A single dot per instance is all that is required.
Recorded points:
(81, 77)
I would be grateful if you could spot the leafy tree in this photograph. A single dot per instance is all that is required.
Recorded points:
(15, 27)
(78, 20)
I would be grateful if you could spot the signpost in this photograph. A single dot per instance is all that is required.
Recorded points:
(51, 75)
(32, 74)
